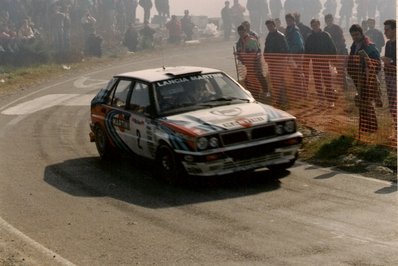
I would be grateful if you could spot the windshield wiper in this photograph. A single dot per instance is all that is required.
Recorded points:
(228, 99)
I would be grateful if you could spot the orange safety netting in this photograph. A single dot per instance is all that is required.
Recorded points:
(347, 95)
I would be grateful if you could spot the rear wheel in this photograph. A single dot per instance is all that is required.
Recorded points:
(102, 144)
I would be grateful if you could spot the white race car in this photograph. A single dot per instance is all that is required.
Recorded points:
(191, 120)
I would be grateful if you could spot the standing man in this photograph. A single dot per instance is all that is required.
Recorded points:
(311, 9)
(346, 12)
(320, 43)
(275, 45)
(146, 5)
(390, 68)
(226, 17)
(304, 29)
(363, 66)
(175, 31)
(296, 48)
(258, 10)
(247, 26)
(336, 32)
(330, 7)
(292, 6)
(237, 11)
(147, 36)
(162, 6)
(187, 25)
(276, 7)
(293, 35)
(375, 35)
(372, 7)
(249, 53)
(130, 39)
(362, 9)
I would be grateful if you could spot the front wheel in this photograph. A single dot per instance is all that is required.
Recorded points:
(169, 168)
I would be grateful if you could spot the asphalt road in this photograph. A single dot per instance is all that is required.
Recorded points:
(60, 205)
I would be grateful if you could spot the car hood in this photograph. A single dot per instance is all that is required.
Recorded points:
(222, 118)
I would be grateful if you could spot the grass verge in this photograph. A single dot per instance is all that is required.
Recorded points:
(348, 154)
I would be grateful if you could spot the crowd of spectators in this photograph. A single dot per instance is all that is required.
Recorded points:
(321, 52)
(66, 28)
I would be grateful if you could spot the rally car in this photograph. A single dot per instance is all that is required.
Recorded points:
(191, 120)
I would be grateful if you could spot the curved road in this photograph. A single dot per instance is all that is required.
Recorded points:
(60, 205)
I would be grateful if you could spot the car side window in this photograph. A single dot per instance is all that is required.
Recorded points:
(121, 93)
(139, 101)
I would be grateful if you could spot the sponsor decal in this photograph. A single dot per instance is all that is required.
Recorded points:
(187, 79)
(228, 112)
(244, 122)
(137, 122)
(121, 121)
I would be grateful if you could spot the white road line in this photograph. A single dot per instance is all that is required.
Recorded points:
(40, 248)
(49, 101)
(81, 83)
(74, 78)
(13, 122)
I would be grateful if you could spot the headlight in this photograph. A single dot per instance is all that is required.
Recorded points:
(202, 143)
(290, 126)
(213, 142)
(279, 129)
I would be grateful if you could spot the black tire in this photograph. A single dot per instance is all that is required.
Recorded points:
(281, 167)
(168, 167)
(102, 144)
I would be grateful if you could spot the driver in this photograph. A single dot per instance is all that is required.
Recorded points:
(199, 92)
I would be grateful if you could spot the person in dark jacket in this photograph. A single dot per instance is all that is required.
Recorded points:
(249, 54)
(390, 69)
(296, 61)
(276, 45)
(293, 35)
(131, 38)
(275, 7)
(363, 66)
(304, 29)
(187, 25)
(336, 32)
(320, 43)
(346, 12)
(375, 35)
(258, 10)
(226, 17)
(146, 5)
(147, 34)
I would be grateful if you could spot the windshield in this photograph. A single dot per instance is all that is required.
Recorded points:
(189, 93)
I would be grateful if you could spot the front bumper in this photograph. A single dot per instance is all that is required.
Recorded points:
(243, 158)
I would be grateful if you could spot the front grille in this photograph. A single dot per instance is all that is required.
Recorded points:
(235, 137)
(263, 132)
(245, 135)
